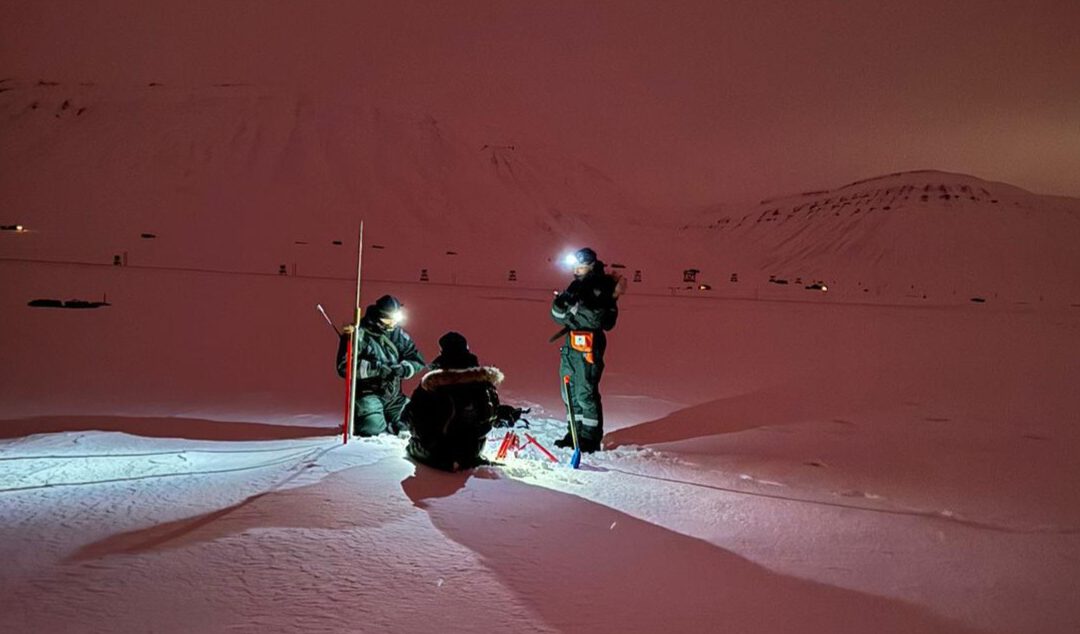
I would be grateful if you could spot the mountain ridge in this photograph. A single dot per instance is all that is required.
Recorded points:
(918, 233)
(247, 177)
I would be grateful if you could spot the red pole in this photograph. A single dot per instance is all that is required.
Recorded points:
(348, 391)
(540, 447)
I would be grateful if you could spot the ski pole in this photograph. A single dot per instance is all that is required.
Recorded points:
(327, 318)
(575, 459)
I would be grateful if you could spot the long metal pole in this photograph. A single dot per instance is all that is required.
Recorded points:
(359, 263)
(355, 337)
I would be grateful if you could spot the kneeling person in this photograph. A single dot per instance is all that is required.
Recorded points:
(387, 356)
(453, 409)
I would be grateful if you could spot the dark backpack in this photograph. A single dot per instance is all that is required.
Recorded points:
(510, 416)
(614, 286)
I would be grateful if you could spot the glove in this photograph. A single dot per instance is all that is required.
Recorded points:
(563, 301)
(390, 371)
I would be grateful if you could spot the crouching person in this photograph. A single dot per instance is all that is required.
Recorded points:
(453, 409)
(387, 356)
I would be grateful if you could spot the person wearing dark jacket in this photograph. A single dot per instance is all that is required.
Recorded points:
(387, 355)
(453, 409)
(586, 310)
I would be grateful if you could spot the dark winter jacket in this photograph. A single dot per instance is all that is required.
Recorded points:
(386, 357)
(589, 303)
(450, 415)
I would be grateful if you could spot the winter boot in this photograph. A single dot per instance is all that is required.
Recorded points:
(566, 442)
(588, 444)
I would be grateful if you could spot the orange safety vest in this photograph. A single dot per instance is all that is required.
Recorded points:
(582, 340)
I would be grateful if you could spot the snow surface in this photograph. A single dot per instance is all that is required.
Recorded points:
(885, 457)
(168, 465)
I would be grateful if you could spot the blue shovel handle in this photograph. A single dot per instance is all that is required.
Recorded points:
(575, 459)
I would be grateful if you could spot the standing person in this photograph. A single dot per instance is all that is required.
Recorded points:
(386, 355)
(453, 409)
(586, 309)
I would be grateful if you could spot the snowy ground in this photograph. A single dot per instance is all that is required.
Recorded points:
(166, 465)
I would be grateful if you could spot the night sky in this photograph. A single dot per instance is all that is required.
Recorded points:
(683, 103)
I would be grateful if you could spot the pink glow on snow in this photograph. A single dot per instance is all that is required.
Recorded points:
(895, 455)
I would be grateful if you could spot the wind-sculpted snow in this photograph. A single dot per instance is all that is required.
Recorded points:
(331, 538)
(883, 456)
(770, 467)
(850, 410)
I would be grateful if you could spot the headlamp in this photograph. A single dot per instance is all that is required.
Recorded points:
(574, 259)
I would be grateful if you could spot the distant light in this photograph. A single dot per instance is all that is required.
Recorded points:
(824, 288)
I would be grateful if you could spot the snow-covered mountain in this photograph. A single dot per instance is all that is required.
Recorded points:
(771, 467)
(927, 234)
(249, 178)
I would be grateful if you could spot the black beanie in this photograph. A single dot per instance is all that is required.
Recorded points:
(585, 256)
(386, 305)
(453, 342)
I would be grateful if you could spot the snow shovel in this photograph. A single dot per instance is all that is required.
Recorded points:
(575, 460)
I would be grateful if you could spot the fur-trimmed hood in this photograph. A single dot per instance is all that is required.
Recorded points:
(439, 378)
